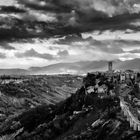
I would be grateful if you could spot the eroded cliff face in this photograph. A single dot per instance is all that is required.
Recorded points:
(86, 115)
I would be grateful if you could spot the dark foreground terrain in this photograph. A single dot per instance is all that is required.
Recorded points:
(89, 114)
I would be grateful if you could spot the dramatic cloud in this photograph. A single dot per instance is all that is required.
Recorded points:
(108, 46)
(135, 51)
(63, 53)
(7, 2)
(53, 31)
(48, 18)
(33, 53)
(11, 9)
(6, 46)
(110, 7)
(39, 16)
(2, 55)
(69, 39)
(77, 11)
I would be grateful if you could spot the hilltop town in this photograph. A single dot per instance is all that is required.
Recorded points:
(106, 105)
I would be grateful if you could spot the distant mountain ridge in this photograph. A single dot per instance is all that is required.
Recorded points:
(86, 66)
(75, 68)
(13, 72)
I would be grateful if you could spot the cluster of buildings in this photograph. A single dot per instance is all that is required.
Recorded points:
(127, 77)
(123, 76)
(100, 90)
(125, 84)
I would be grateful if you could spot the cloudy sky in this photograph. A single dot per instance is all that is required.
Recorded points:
(43, 32)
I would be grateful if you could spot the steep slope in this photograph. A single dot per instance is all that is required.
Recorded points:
(80, 117)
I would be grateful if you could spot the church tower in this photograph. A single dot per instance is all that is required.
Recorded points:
(110, 66)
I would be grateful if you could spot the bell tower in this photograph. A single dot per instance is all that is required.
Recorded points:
(110, 66)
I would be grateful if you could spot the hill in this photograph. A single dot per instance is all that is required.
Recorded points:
(13, 72)
(129, 64)
(81, 67)
(86, 66)
(85, 115)
(21, 93)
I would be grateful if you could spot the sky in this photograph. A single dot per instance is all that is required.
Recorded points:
(43, 32)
